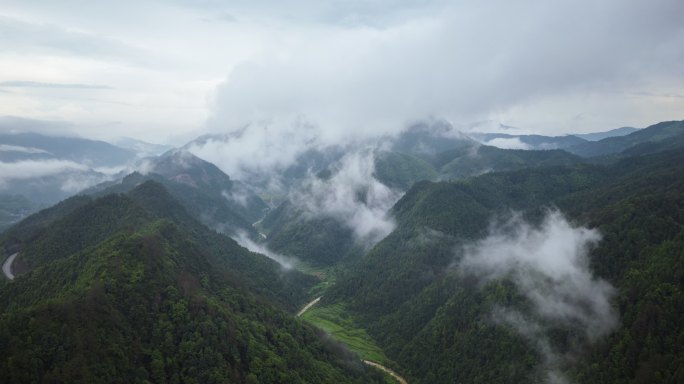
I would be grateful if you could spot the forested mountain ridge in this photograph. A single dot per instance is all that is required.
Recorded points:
(203, 189)
(82, 222)
(149, 298)
(411, 294)
(656, 133)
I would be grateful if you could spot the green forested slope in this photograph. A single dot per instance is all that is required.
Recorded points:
(655, 134)
(436, 322)
(150, 299)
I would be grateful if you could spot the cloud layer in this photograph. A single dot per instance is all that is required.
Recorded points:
(353, 196)
(28, 169)
(549, 265)
(468, 62)
(352, 68)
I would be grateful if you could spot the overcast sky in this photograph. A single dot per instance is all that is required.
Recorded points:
(167, 71)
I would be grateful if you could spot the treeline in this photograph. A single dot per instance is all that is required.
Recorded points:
(143, 298)
(436, 322)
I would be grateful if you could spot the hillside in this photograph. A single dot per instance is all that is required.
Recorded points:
(204, 190)
(438, 321)
(117, 292)
(654, 134)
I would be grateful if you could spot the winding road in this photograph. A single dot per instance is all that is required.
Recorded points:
(373, 364)
(311, 304)
(390, 372)
(7, 266)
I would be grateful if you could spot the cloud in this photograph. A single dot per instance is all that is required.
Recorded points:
(18, 148)
(243, 239)
(468, 61)
(37, 84)
(260, 147)
(507, 143)
(353, 196)
(29, 169)
(30, 37)
(549, 265)
(15, 124)
(76, 182)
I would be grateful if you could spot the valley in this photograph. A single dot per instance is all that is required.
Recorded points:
(383, 266)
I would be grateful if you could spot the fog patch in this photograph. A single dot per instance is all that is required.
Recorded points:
(508, 143)
(243, 239)
(21, 149)
(28, 169)
(145, 166)
(76, 182)
(352, 195)
(549, 265)
(265, 147)
(115, 170)
(237, 196)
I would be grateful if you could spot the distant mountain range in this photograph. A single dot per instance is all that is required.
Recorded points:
(429, 252)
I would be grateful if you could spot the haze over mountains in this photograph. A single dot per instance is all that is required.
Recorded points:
(436, 255)
(339, 191)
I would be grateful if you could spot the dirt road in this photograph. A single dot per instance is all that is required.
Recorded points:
(7, 266)
(311, 304)
(400, 379)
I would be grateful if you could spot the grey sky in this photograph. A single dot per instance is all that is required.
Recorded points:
(170, 70)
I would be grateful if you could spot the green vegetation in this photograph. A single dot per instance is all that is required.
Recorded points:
(399, 170)
(13, 208)
(436, 323)
(338, 323)
(147, 294)
(320, 242)
(658, 134)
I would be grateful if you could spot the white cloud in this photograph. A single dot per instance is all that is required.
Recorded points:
(549, 265)
(507, 143)
(28, 169)
(243, 239)
(262, 147)
(353, 196)
(18, 148)
(352, 68)
(467, 62)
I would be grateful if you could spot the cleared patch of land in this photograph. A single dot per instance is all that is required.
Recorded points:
(339, 324)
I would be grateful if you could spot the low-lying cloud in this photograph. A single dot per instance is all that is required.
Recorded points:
(549, 265)
(21, 149)
(507, 143)
(28, 169)
(522, 62)
(258, 148)
(243, 239)
(353, 196)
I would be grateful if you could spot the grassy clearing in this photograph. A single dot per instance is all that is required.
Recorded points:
(337, 322)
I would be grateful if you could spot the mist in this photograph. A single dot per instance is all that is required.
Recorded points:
(549, 265)
(263, 147)
(27, 169)
(352, 195)
(243, 239)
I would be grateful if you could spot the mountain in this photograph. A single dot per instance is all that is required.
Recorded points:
(129, 288)
(537, 142)
(46, 169)
(429, 139)
(460, 163)
(182, 167)
(596, 136)
(319, 241)
(91, 153)
(654, 134)
(142, 148)
(203, 189)
(442, 322)
(13, 208)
